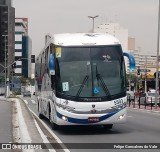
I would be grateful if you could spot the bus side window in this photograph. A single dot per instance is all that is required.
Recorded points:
(51, 50)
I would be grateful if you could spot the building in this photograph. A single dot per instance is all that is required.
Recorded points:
(7, 24)
(143, 61)
(117, 31)
(23, 48)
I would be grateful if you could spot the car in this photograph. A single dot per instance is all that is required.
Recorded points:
(142, 98)
(27, 94)
(151, 97)
(130, 95)
(148, 98)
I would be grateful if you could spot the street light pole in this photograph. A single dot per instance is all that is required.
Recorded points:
(145, 74)
(157, 62)
(5, 64)
(93, 17)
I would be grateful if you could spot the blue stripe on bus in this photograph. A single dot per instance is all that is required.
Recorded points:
(85, 121)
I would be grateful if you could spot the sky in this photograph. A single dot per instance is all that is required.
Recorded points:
(140, 17)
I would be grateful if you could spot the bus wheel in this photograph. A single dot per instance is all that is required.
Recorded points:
(40, 116)
(39, 113)
(54, 126)
(108, 126)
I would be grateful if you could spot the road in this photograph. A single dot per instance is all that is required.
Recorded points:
(141, 127)
(5, 122)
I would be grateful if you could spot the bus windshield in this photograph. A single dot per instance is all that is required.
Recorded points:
(97, 71)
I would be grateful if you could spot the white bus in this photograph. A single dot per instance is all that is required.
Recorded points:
(81, 80)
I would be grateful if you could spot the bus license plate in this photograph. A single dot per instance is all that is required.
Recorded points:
(93, 119)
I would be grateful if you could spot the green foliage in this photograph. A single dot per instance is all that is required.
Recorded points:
(2, 78)
(27, 81)
(132, 77)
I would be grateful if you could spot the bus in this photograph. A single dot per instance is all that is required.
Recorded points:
(80, 79)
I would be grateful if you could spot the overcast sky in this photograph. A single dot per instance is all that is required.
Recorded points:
(140, 17)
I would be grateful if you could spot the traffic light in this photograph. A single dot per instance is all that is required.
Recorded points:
(32, 58)
(138, 72)
(14, 65)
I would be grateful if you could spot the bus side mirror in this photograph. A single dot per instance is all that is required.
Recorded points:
(51, 65)
(131, 60)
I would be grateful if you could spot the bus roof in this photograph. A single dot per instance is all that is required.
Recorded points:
(86, 39)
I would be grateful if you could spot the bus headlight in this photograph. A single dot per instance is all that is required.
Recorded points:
(121, 117)
(64, 118)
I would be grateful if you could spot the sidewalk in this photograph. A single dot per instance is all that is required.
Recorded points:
(21, 127)
(143, 107)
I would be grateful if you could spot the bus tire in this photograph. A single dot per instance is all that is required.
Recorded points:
(108, 126)
(40, 116)
(54, 126)
(39, 113)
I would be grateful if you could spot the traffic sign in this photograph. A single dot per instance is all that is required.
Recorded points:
(145, 70)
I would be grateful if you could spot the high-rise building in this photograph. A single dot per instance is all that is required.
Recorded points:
(116, 30)
(7, 24)
(23, 47)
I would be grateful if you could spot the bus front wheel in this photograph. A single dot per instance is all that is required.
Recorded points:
(39, 112)
(54, 126)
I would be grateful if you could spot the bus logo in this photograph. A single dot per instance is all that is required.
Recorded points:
(93, 106)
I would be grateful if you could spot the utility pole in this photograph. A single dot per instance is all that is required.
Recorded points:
(93, 17)
(157, 62)
(5, 64)
(145, 74)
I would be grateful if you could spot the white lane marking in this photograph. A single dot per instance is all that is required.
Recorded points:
(130, 116)
(45, 140)
(26, 102)
(33, 102)
(51, 132)
(25, 137)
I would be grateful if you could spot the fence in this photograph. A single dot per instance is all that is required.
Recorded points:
(143, 103)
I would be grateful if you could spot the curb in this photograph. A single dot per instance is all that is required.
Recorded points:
(147, 110)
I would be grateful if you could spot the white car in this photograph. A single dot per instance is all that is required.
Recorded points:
(148, 98)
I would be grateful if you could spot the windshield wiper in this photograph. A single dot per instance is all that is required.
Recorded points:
(99, 78)
(82, 85)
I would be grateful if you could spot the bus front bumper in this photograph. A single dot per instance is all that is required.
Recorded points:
(67, 118)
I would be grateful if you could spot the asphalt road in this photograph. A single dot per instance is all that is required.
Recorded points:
(141, 127)
(5, 123)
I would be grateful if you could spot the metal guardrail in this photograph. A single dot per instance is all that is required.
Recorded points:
(136, 103)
